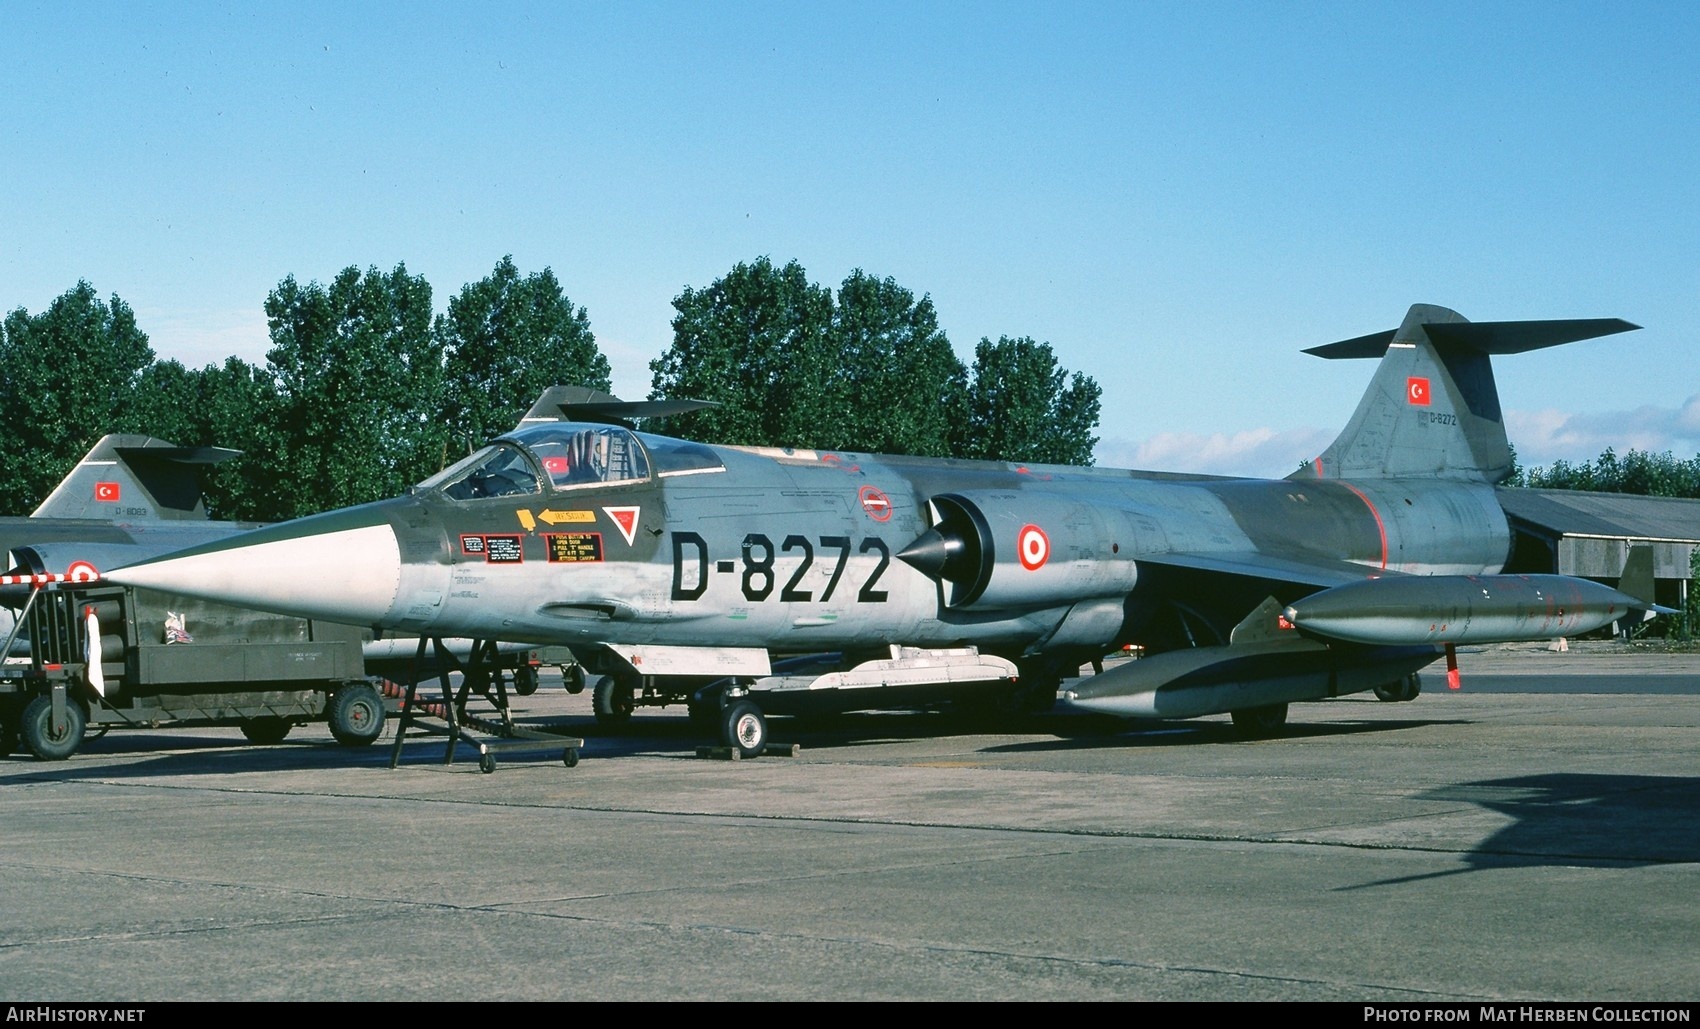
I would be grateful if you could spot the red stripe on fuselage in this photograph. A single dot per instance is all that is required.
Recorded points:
(1379, 527)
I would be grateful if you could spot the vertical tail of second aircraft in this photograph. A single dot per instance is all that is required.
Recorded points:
(1432, 410)
(134, 477)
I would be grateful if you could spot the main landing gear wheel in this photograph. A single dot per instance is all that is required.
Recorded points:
(612, 701)
(702, 713)
(11, 718)
(744, 728)
(1258, 722)
(356, 715)
(266, 729)
(11, 725)
(1035, 687)
(525, 681)
(44, 740)
(1400, 689)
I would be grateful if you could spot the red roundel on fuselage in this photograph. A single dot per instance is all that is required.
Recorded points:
(1033, 547)
(875, 503)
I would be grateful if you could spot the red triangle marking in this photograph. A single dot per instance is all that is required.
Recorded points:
(626, 518)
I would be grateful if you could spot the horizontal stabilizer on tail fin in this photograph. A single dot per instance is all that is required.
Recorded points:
(583, 404)
(1487, 337)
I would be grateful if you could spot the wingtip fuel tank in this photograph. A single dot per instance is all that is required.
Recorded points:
(1416, 609)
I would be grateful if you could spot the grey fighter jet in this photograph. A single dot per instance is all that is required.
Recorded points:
(746, 581)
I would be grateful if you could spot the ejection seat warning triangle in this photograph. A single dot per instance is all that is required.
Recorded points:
(626, 519)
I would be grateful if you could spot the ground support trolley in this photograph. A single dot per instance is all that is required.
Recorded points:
(483, 677)
(88, 657)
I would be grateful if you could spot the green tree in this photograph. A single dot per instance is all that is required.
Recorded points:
(168, 405)
(359, 379)
(506, 340)
(869, 371)
(1023, 407)
(1638, 472)
(238, 407)
(1691, 614)
(899, 386)
(231, 405)
(756, 342)
(67, 377)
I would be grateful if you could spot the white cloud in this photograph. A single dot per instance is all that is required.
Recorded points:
(1542, 437)
(628, 367)
(1688, 417)
(1255, 452)
(197, 338)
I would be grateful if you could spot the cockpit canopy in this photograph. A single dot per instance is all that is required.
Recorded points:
(566, 455)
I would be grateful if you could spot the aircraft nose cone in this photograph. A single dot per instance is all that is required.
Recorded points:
(344, 566)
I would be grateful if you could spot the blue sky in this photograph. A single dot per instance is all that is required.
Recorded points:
(1177, 197)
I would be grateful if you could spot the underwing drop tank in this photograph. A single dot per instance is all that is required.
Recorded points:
(1408, 610)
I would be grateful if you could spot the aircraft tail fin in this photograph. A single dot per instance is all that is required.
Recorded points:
(1432, 409)
(133, 477)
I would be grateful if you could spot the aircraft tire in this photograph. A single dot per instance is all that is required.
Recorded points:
(38, 732)
(1400, 689)
(744, 728)
(1259, 722)
(572, 676)
(612, 701)
(1036, 687)
(266, 730)
(525, 681)
(356, 715)
(703, 713)
(11, 716)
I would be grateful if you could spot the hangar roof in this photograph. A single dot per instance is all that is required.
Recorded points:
(1559, 512)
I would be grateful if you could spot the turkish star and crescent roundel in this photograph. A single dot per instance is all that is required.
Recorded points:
(1033, 547)
(1416, 390)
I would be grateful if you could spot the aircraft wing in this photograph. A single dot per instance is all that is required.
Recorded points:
(1308, 570)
